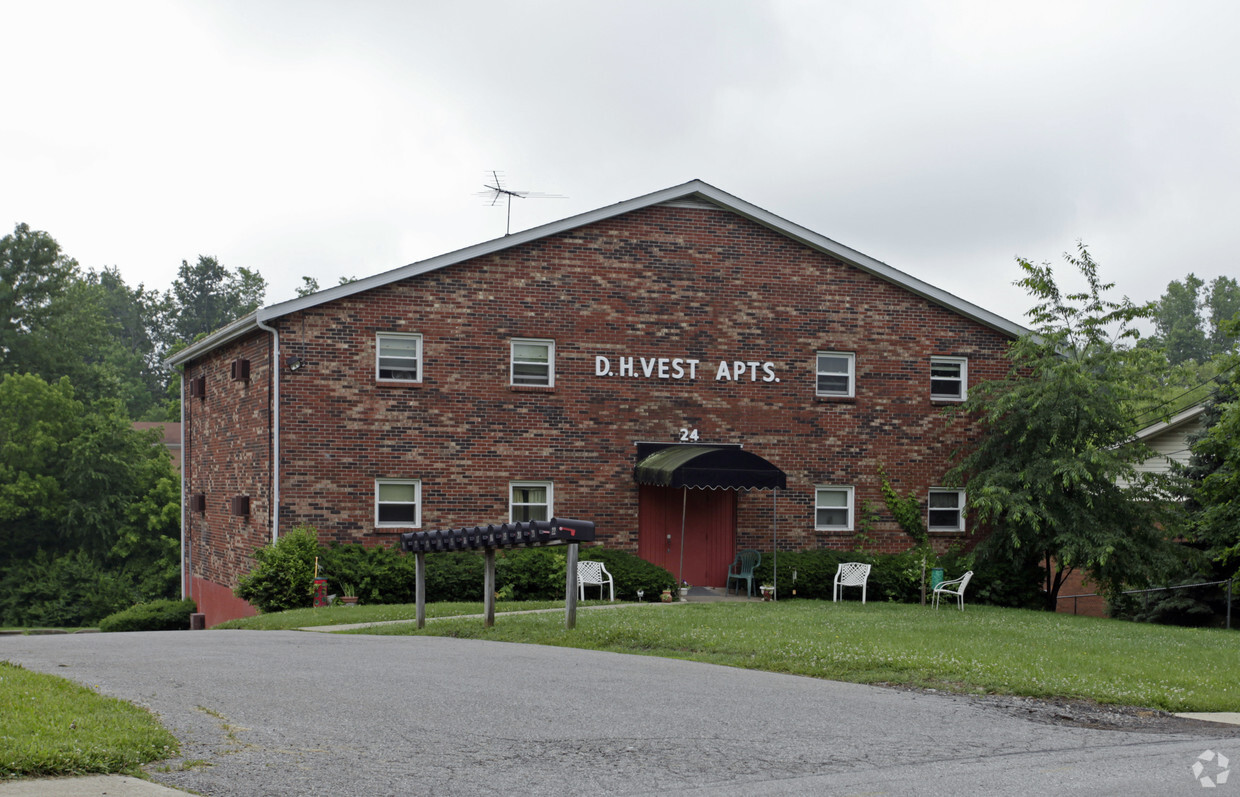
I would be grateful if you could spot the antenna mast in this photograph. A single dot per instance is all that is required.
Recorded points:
(496, 190)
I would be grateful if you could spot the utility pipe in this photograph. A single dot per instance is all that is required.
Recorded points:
(275, 425)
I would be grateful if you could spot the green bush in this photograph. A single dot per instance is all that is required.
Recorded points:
(629, 572)
(815, 572)
(378, 573)
(531, 574)
(456, 576)
(63, 590)
(997, 580)
(283, 576)
(897, 577)
(164, 615)
(385, 575)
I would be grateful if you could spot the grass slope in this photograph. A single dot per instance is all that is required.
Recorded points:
(983, 649)
(51, 726)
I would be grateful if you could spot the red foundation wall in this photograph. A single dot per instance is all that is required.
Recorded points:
(218, 603)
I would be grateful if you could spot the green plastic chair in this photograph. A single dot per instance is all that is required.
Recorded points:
(742, 569)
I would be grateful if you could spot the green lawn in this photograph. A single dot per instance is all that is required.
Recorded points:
(983, 649)
(50, 726)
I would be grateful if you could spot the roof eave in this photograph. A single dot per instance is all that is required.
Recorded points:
(693, 188)
(226, 334)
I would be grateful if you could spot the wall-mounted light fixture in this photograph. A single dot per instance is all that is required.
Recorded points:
(294, 363)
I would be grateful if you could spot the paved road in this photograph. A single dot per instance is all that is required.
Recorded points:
(294, 713)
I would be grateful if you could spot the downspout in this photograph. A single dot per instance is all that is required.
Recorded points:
(275, 425)
(184, 536)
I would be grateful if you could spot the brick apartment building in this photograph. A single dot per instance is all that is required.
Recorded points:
(597, 367)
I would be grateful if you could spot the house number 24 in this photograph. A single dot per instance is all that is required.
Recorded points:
(688, 435)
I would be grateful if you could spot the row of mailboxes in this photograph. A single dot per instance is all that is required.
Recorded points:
(504, 535)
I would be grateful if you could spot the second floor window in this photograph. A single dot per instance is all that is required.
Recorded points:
(835, 373)
(949, 378)
(398, 357)
(533, 363)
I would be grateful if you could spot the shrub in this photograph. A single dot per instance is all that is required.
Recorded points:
(629, 572)
(164, 615)
(815, 572)
(997, 579)
(456, 576)
(531, 574)
(379, 574)
(283, 576)
(65, 590)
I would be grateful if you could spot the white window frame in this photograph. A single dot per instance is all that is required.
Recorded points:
(960, 505)
(851, 374)
(417, 338)
(512, 504)
(512, 361)
(848, 508)
(963, 363)
(417, 509)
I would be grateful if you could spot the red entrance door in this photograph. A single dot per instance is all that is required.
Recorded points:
(709, 532)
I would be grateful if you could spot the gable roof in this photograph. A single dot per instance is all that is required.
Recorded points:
(1172, 423)
(692, 192)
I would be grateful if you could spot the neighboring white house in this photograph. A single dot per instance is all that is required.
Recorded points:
(1169, 439)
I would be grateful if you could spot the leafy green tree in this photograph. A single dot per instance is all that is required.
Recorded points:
(207, 296)
(1223, 303)
(1191, 317)
(309, 285)
(77, 480)
(1214, 472)
(132, 319)
(33, 274)
(89, 327)
(1178, 321)
(1053, 473)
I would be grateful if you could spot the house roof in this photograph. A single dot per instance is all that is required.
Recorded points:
(1177, 420)
(694, 191)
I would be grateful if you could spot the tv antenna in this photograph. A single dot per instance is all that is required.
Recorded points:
(496, 190)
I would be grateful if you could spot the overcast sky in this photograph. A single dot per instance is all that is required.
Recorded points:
(333, 138)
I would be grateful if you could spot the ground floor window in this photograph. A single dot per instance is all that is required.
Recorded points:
(530, 501)
(398, 503)
(946, 510)
(833, 508)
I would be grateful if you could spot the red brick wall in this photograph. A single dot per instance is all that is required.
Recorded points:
(658, 282)
(227, 439)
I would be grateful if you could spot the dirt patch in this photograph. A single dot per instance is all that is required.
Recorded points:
(1086, 714)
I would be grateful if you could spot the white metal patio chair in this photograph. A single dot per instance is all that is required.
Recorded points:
(954, 587)
(594, 574)
(851, 574)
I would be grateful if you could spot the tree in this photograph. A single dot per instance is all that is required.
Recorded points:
(76, 480)
(1223, 302)
(1190, 318)
(207, 296)
(1053, 473)
(33, 274)
(309, 285)
(1213, 471)
(1178, 321)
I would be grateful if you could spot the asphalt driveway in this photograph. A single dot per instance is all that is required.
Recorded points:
(295, 713)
